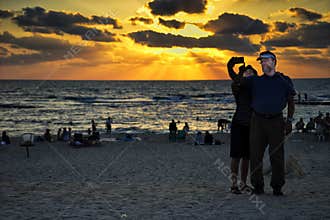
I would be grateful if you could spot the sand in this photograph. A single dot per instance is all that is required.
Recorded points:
(155, 179)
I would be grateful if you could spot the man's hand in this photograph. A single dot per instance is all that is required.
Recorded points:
(288, 127)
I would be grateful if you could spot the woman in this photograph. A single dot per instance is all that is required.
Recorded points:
(239, 146)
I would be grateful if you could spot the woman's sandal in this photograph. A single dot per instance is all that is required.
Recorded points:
(246, 188)
(235, 190)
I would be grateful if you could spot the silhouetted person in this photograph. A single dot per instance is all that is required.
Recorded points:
(173, 130)
(172, 127)
(70, 133)
(65, 135)
(199, 138)
(93, 126)
(208, 139)
(89, 132)
(5, 138)
(310, 125)
(108, 124)
(47, 135)
(186, 128)
(300, 125)
(299, 97)
(305, 96)
(59, 134)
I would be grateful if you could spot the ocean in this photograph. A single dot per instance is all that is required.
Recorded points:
(135, 106)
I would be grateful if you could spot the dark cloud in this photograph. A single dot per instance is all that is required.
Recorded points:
(172, 23)
(305, 14)
(4, 51)
(283, 26)
(6, 14)
(39, 20)
(223, 42)
(105, 21)
(307, 36)
(236, 24)
(141, 19)
(45, 49)
(171, 7)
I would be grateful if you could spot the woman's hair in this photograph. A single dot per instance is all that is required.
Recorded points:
(251, 68)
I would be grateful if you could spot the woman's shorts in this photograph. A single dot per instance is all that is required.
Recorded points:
(240, 141)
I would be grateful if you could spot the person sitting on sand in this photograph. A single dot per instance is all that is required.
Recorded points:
(199, 138)
(65, 135)
(59, 134)
(186, 128)
(47, 135)
(300, 125)
(208, 139)
(5, 138)
(310, 125)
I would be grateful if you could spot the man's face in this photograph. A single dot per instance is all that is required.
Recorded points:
(268, 65)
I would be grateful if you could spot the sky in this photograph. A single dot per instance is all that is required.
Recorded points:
(160, 39)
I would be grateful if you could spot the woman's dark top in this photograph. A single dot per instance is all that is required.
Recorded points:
(242, 96)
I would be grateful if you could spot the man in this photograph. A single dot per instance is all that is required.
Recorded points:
(270, 94)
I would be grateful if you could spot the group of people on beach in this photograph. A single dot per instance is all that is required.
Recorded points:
(320, 125)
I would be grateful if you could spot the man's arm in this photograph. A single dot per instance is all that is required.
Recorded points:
(291, 108)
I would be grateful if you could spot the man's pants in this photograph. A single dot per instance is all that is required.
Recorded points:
(265, 132)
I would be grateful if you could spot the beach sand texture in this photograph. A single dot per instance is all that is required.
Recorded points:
(155, 179)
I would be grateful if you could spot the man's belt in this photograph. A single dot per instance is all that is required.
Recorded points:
(268, 116)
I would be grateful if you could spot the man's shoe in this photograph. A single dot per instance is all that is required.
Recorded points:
(277, 192)
(258, 191)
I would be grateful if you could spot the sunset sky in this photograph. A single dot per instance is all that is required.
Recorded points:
(160, 39)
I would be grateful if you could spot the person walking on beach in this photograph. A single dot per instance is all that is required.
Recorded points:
(240, 127)
(270, 94)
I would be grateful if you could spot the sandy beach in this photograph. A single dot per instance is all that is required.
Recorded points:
(155, 179)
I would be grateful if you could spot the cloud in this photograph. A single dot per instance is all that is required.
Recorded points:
(305, 14)
(283, 26)
(3, 51)
(6, 14)
(141, 19)
(39, 20)
(172, 23)
(236, 24)
(45, 49)
(307, 35)
(171, 7)
(223, 42)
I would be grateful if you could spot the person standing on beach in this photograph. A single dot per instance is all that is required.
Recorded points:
(270, 93)
(239, 142)
(108, 124)
(173, 130)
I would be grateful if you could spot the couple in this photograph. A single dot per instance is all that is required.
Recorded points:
(258, 122)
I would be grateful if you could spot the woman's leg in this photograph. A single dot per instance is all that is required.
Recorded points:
(234, 171)
(244, 170)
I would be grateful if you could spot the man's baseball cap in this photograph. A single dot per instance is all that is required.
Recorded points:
(266, 54)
